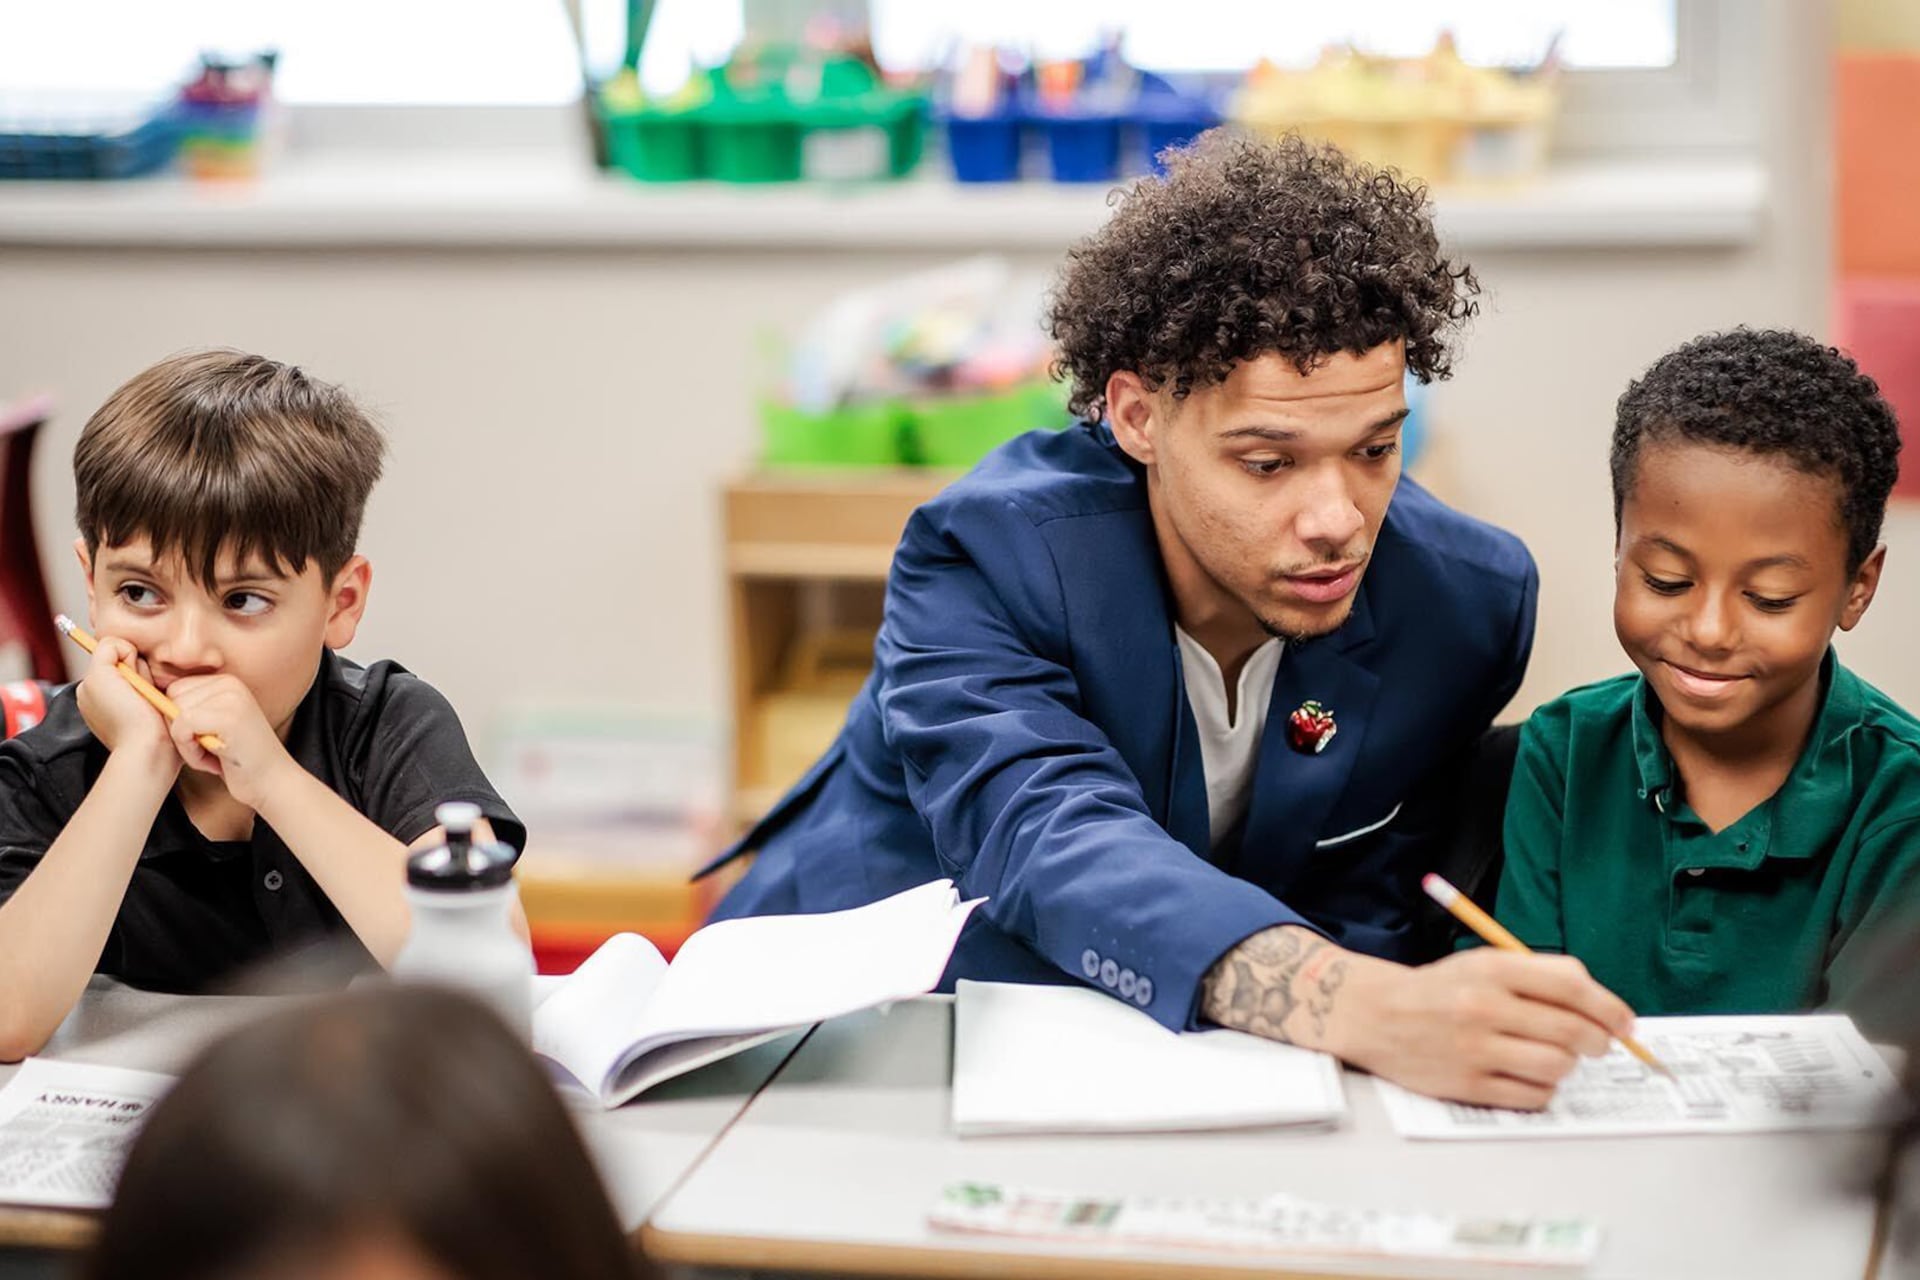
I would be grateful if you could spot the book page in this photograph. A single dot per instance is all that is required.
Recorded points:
(588, 1023)
(65, 1129)
(1044, 1059)
(665, 1061)
(774, 972)
(1732, 1075)
(1279, 1224)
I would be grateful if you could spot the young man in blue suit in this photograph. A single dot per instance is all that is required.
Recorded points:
(1177, 690)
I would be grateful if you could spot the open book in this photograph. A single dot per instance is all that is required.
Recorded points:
(627, 1020)
(1037, 1059)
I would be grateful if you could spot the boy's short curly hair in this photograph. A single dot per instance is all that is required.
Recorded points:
(1251, 246)
(1769, 391)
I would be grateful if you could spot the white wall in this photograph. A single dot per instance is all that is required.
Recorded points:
(560, 427)
(561, 421)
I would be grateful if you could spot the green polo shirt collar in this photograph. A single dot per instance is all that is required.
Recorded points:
(1820, 787)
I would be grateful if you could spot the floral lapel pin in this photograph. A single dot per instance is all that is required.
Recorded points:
(1311, 728)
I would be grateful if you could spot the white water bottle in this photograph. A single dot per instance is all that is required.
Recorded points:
(461, 895)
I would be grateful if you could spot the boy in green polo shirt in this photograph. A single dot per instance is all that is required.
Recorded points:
(1718, 833)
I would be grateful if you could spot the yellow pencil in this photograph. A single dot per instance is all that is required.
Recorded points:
(161, 702)
(1495, 934)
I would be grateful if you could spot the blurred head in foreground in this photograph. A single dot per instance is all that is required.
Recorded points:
(389, 1133)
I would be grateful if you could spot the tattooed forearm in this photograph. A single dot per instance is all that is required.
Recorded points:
(1324, 975)
(1281, 984)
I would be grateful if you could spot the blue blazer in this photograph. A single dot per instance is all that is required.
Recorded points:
(1026, 732)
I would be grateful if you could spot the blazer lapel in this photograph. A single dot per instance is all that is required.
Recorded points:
(1188, 819)
(1131, 685)
(1293, 791)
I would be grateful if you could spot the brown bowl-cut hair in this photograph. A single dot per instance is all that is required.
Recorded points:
(221, 452)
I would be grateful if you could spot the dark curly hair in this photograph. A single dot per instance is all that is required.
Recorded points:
(1248, 247)
(1769, 391)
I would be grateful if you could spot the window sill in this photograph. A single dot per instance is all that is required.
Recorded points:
(512, 201)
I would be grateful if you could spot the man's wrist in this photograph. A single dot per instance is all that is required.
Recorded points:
(1286, 983)
(1351, 1014)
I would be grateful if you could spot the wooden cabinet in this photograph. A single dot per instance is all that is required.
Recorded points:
(807, 555)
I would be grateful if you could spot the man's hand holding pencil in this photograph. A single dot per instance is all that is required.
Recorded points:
(1488, 1026)
(1483, 1026)
(1495, 934)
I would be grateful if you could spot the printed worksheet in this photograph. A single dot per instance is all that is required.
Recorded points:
(1730, 1075)
(65, 1128)
(1278, 1224)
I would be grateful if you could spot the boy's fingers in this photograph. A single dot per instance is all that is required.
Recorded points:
(1564, 981)
(186, 742)
(195, 690)
(184, 689)
(110, 652)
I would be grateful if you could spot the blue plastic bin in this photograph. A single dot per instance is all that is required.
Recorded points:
(1082, 148)
(985, 148)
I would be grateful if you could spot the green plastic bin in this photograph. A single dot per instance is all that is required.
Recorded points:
(656, 146)
(958, 431)
(865, 435)
(836, 146)
(752, 136)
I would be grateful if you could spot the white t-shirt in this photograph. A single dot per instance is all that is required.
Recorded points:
(1229, 746)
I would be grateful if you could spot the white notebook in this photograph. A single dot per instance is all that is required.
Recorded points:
(626, 1020)
(1039, 1059)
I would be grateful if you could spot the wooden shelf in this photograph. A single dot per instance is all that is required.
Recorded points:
(806, 551)
(809, 560)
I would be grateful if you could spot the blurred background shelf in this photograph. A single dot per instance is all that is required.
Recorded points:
(807, 554)
(574, 906)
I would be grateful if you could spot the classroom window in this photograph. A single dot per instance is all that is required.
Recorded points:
(520, 51)
(388, 52)
(1229, 35)
(1647, 75)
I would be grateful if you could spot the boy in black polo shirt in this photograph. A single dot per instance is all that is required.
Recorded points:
(1718, 833)
(219, 498)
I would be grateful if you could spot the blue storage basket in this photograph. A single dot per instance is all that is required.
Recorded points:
(60, 137)
(1082, 148)
(985, 148)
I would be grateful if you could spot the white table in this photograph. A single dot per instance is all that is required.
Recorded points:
(834, 1165)
(642, 1149)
